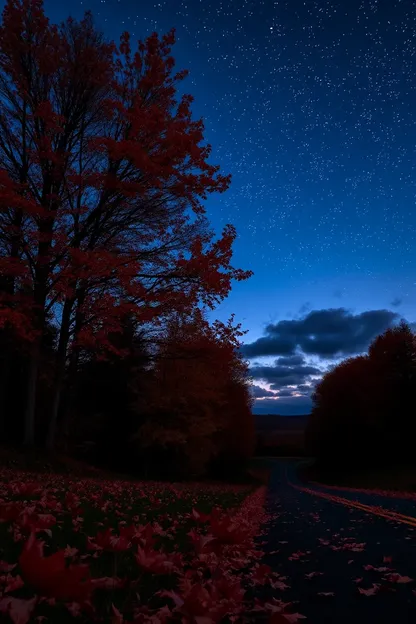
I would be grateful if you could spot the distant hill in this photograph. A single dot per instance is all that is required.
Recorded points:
(280, 435)
(272, 422)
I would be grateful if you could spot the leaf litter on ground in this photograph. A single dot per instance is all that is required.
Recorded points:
(132, 552)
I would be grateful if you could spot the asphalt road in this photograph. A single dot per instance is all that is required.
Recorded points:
(339, 563)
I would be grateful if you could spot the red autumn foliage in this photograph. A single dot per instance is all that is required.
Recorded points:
(225, 530)
(103, 177)
(205, 398)
(211, 585)
(106, 540)
(50, 576)
(158, 562)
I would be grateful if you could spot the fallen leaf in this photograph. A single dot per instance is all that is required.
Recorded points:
(117, 617)
(294, 617)
(312, 574)
(279, 585)
(18, 609)
(370, 592)
(397, 578)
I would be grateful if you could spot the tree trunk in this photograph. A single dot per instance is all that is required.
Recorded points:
(39, 299)
(61, 362)
(50, 438)
(29, 439)
(4, 378)
(8, 285)
(73, 362)
(66, 417)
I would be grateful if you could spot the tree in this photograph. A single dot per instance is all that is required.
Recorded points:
(343, 415)
(190, 415)
(103, 175)
(363, 407)
(51, 84)
(393, 357)
(237, 440)
(101, 398)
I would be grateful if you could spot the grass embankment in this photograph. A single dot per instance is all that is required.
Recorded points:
(58, 463)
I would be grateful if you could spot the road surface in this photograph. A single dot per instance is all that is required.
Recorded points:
(343, 560)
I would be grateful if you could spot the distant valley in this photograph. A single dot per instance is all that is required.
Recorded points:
(280, 435)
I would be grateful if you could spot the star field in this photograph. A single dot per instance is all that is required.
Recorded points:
(310, 105)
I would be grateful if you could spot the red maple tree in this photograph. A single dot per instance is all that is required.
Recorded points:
(103, 175)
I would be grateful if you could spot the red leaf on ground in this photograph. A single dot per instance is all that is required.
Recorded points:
(279, 585)
(19, 610)
(310, 575)
(284, 618)
(50, 576)
(370, 592)
(7, 567)
(157, 562)
(397, 578)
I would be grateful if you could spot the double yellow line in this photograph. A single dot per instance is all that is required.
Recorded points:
(376, 511)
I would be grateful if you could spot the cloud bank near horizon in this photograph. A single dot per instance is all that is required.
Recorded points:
(305, 348)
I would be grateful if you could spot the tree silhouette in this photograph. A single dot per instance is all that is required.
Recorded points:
(102, 176)
(198, 398)
(363, 408)
(393, 358)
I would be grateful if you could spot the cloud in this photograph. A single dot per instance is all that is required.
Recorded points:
(291, 360)
(396, 302)
(283, 399)
(280, 376)
(304, 387)
(259, 393)
(265, 346)
(285, 392)
(307, 389)
(331, 333)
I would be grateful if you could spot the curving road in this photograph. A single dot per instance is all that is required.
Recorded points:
(342, 556)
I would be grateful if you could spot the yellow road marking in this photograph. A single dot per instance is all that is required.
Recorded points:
(376, 511)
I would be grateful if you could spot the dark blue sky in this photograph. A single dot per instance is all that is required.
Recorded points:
(310, 104)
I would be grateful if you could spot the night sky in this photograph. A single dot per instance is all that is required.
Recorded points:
(310, 104)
